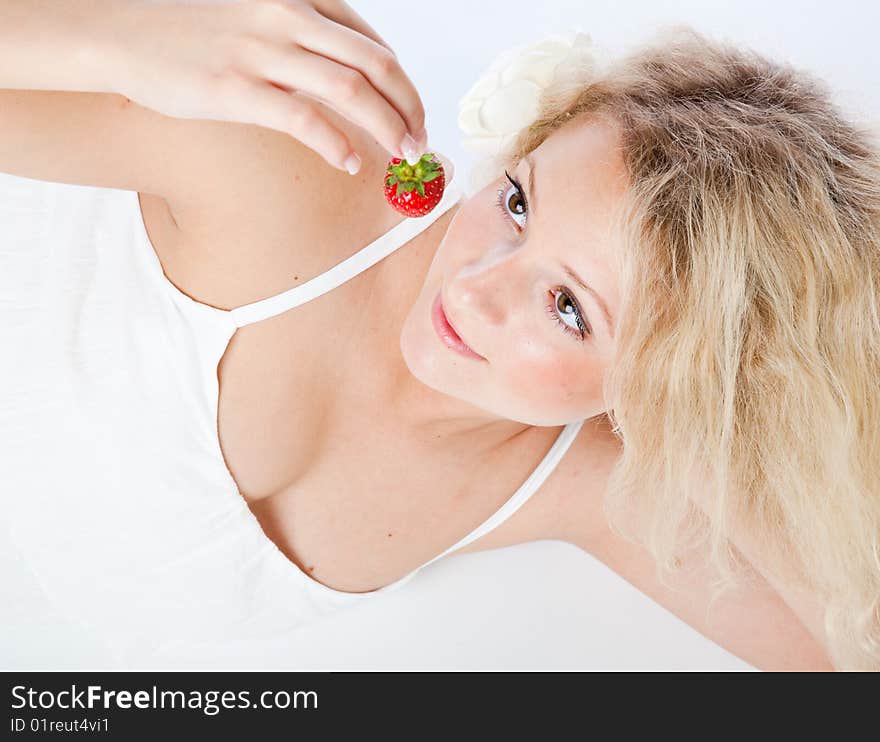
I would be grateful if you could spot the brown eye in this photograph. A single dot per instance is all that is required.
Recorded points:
(567, 308)
(567, 313)
(520, 208)
(513, 205)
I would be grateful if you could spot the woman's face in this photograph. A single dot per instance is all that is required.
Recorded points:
(503, 273)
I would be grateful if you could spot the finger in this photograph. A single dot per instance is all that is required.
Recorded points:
(335, 41)
(341, 13)
(344, 89)
(261, 103)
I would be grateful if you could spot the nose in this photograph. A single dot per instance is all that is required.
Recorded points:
(484, 287)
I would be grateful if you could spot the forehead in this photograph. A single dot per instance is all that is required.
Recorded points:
(581, 181)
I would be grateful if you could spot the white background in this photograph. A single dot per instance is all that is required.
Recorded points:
(547, 604)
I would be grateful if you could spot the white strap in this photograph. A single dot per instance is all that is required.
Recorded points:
(367, 256)
(521, 496)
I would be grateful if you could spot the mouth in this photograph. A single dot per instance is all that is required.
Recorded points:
(447, 333)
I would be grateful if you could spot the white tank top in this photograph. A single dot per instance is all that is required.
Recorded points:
(123, 530)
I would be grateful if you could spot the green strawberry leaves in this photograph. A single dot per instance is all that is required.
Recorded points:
(413, 177)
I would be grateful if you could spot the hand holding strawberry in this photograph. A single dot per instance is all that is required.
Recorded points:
(414, 190)
(263, 62)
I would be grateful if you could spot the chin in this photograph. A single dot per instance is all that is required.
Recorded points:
(419, 354)
(431, 363)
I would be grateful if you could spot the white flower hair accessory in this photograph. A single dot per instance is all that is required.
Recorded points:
(505, 99)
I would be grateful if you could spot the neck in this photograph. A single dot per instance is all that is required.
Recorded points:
(437, 419)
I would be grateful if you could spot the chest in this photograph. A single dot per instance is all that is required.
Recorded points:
(345, 495)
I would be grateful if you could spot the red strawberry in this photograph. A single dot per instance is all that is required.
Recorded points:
(414, 189)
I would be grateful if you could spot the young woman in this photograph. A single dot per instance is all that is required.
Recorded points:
(244, 391)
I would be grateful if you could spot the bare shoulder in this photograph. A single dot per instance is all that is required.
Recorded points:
(751, 621)
(568, 502)
(274, 216)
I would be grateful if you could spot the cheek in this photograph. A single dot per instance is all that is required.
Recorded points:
(550, 376)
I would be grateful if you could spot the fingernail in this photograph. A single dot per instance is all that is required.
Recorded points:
(409, 147)
(353, 163)
(422, 139)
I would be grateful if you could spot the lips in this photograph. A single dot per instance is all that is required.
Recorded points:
(447, 333)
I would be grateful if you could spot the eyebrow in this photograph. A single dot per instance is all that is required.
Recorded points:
(606, 315)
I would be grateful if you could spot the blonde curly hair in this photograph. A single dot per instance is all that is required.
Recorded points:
(749, 334)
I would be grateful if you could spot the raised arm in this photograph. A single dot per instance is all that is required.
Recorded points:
(170, 98)
(47, 44)
(61, 121)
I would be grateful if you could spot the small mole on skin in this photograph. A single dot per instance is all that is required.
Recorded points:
(312, 568)
(296, 278)
(389, 535)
